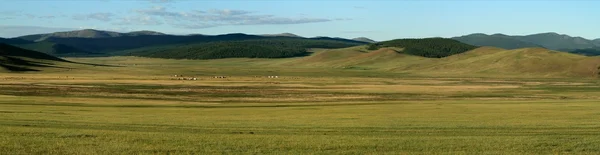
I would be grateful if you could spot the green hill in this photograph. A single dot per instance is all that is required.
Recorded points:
(588, 51)
(557, 41)
(14, 41)
(597, 42)
(483, 61)
(117, 44)
(282, 35)
(86, 33)
(428, 47)
(54, 49)
(16, 59)
(518, 62)
(548, 40)
(256, 48)
(496, 40)
(360, 58)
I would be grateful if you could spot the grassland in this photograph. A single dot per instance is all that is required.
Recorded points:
(136, 106)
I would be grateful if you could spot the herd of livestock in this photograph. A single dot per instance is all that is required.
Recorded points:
(181, 77)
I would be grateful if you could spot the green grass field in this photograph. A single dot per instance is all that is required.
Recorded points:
(136, 107)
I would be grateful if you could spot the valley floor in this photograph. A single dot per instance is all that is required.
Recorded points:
(137, 106)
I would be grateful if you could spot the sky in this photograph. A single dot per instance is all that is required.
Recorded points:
(376, 19)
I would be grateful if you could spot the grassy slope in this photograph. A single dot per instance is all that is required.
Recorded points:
(526, 62)
(479, 62)
(361, 58)
(137, 109)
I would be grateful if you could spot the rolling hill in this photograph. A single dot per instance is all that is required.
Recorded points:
(253, 48)
(282, 35)
(59, 50)
(15, 59)
(14, 41)
(427, 47)
(557, 41)
(86, 33)
(587, 51)
(596, 41)
(496, 40)
(482, 61)
(518, 62)
(548, 40)
(364, 39)
(109, 45)
(54, 49)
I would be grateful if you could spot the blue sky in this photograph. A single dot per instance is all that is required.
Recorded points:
(378, 19)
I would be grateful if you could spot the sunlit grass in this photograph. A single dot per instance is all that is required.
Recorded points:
(141, 110)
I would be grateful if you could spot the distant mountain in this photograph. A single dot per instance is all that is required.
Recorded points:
(282, 35)
(16, 59)
(496, 40)
(113, 45)
(557, 41)
(363, 39)
(597, 42)
(549, 40)
(55, 49)
(86, 33)
(51, 48)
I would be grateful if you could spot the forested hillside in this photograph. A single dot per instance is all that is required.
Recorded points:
(496, 40)
(257, 48)
(15, 59)
(428, 47)
(587, 51)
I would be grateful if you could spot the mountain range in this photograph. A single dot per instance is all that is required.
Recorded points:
(89, 42)
(519, 55)
(550, 40)
(86, 33)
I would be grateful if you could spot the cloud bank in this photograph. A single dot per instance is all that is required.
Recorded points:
(199, 19)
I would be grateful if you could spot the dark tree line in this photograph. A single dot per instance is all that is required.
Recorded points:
(587, 52)
(428, 47)
(257, 48)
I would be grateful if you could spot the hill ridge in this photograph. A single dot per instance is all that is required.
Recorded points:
(15, 59)
(481, 61)
(86, 33)
(550, 40)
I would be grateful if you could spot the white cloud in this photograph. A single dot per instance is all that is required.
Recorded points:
(95, 16)
(198, 19)
(139, 20)
(354, 32)
(161, 1)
